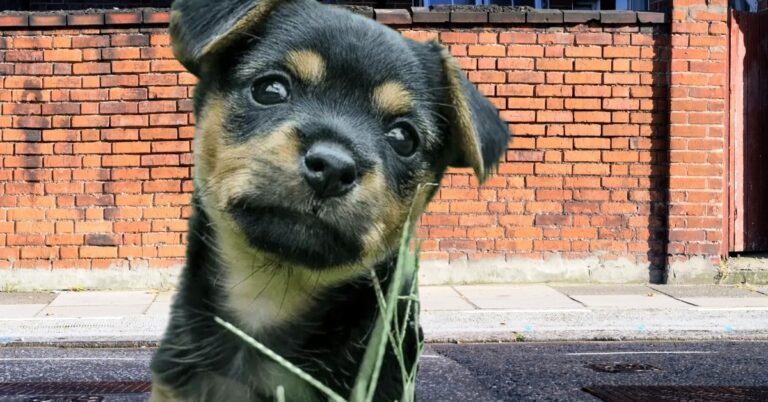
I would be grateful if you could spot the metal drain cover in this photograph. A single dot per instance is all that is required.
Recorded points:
(677, 393)
(74, 391)
(621, 367)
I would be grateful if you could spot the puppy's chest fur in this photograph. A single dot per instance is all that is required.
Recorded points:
(201, 361)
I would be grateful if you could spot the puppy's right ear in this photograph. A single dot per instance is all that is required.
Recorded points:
(201, 27)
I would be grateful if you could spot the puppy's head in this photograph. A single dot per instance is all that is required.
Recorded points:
(315, 126)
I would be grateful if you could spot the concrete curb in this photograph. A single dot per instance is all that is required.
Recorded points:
(448, 326)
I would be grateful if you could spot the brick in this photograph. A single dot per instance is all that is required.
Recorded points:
(121, 80)
(12, 20)
(120, 53)
(392, 16)
(583, 78)
(594, 38)
(155, 17)
(63, 55)
(544, 16)
(554, 64)
(624, 51)
(128, 121)
(85, 19)
(651, 17)
(130, 66)
(90, 121)
(618, 17)
(131, 40)
(506, 17)
(582, 104)
(425, 15)
(167, 92)
(122, 18)
(580, 16)
(166, 66)
(62, 82)
(127, 93)
(468, 17)
(32, 42)
(52, 20)
(487, 50)
(98, 252)
(23, 55)
(517, 38)
(592, 65)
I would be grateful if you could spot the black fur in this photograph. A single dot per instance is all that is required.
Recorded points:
(333, 332)
(328, 339)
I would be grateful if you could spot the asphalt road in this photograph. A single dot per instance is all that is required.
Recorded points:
(466, 372)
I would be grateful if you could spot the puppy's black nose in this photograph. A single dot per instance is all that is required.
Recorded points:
(329, 169)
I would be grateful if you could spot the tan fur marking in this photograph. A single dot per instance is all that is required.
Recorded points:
(464, 131)
(307, 65)
(208, 136)
(392, 98)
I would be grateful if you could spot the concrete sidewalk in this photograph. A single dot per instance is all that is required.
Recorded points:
(449, 313)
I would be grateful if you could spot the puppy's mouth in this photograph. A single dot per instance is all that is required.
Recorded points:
(295, 236)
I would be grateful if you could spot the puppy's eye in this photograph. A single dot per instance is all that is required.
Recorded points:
(271, 90)
(402, 138)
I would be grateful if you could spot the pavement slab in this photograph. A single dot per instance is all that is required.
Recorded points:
(435, 298)
(117, 310)
(158, 308)
(517, 297)
(26, 297)
(727, 302)
(103, 298)
(165, 296)
(20, 310)
(593, 290)
(686, 291)
(629, 301)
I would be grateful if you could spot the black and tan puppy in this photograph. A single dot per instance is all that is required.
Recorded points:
(314, 128)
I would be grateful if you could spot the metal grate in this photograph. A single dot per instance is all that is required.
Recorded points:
(72, 389)
(52, 398)
(677, 393)
(621, 367)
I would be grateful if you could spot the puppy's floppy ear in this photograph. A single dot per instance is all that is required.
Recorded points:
(200, 27)
(478, 136)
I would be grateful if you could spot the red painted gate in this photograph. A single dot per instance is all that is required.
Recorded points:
(748, 184)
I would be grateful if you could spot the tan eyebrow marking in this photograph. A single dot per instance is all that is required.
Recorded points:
(306, 64)
(392, 98)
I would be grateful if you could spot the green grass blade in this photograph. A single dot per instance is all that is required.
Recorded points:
(331, 394)
(367, 378)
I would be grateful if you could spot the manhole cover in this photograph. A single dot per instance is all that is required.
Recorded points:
(677, 393)
(72, 391)
(621, 367)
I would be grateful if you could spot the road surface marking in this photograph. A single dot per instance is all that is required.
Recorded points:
(566, 310)
(649, 352)
(34, 359)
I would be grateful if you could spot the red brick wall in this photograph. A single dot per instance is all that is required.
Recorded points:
(96, 124)
(697, 130)
(584, 173)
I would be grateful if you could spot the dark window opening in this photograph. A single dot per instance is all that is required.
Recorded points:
(49, 5)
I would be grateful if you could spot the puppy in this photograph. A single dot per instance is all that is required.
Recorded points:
(314, 129)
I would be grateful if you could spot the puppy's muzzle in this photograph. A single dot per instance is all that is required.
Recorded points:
(329, 169)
